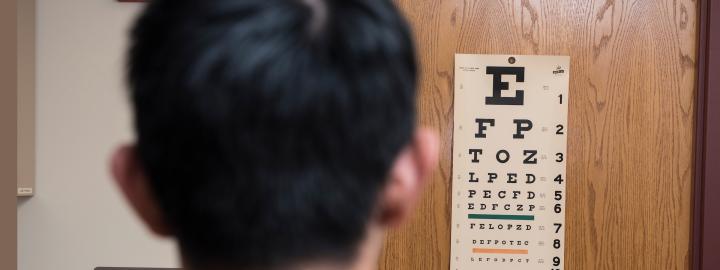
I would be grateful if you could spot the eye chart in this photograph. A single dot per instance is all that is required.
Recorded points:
(509, 156)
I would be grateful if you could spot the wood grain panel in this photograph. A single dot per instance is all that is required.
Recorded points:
(631, 121)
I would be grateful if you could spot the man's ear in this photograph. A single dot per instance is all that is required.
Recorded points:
(130, 178)
(408, 176)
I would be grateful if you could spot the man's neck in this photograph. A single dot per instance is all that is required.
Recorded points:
(366, 258)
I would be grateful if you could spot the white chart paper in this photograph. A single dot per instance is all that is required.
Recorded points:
(509, 157)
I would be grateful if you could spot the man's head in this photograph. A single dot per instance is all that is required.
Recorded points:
(272, 132)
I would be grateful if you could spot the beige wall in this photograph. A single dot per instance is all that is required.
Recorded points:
(77, 220)
(26, 97)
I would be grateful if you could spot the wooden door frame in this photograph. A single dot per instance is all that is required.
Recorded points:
(8, 134)
(706, 216)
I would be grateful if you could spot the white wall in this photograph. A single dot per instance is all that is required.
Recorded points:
(77, 220)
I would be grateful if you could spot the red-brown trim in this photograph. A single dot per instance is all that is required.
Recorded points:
(706, 216)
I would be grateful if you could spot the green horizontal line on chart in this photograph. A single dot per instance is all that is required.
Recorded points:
(501, 217)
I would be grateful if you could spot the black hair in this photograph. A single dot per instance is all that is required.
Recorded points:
(267, 127)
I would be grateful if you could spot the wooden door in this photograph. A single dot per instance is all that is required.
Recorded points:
(631, 121)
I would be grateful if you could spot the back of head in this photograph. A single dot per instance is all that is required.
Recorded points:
(267, 127)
